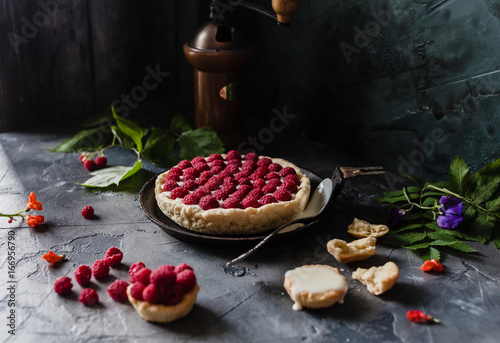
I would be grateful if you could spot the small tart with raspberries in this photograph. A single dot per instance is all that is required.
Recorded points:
(232, 194)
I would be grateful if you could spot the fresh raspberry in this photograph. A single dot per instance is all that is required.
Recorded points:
(272, 175)
(198, 159)
(142, 275)
(101, 161)
(233, 155)
(208, 202)
(275, 167)
(136, 290)
(189, 174)
(251, 156)
(232, 202)
(172, 295)
(250, 202)
(212, 185)
(190, 185)
(244, 190)
(191, 199)
(118, 290)
(259, 183)
(289, 186)
(214, 157)
(241, 174)
(229, 181)
(201, 192)
(201, 167)
(169, 185)
(287, 171)
(163, 276)
(223, 174)
(186, 279)
(88, 297)
(234, 162)
(274, 182)
(216, 169)
(184, 164)
(269, 188)
(221, 194)
(182, 266)
(179, 192)
(174, 174)
(83, 274)
(265, 161)
(201, 181)
(100, 269)
(232, 169)
(113, 256)
(63, 285)
(267, 199)
(151, 293)
(134, 269)
(89, 164)
(259, 173)
(251, 165)
(206, 174)
(87, 211)
(292, 177)
(229, 188)
(217, 163)
(244, 181)
(256, 193)
(282, 194)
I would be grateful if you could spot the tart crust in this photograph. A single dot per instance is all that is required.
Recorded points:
(219, 221)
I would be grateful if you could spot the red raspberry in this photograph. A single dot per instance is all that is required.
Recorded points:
(229, 188)
(88, 297)
(201, 192)
(83, 274)
(87, 211)
(100, 269)
(206, 174)
(272, 175)
(201, 167)
(289, 186)
(244, 190)
(118, 290)
(259, 173)
(134, 269)
(232, 168)
(184, 164)
(287, 171)
(245, 181)
(212, 185)
(136, 290)
(208, 202)
(292, 177)
(275, 167)
(214, 157)
(218, 163)
(174, 174)
(269, 188)
(241, 174)
(186, 279)
(169, 185)
(190, 185)
(151, 294)
(265, 161)
(189, 174)
(235, 162)
(229, 181)
(63, 285)
(216, 169)
(201, 181)
(179, 192)
(142, 275)
(221, 194)
(101, 162)
(251, 165)
(198, 159)
(182, 266)
(233, 155)
(274, 182)
(259, 183)
(267, 199)
(232, 202)
(89, 164)
(163, 276)
(223, 174)
(282, 195)
(191, 199)
(256, 193)
(251, 156)
(113, 256)
(250, 202)
(172, 295)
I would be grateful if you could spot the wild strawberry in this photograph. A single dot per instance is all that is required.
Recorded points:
(208, 202)
(259, 183)
(272, 175)
(189, 174)
(169, 185)
(172, 295)
(179, 192)
(118, 290)
(282, 194)
(249, 201)
(101, 161)
(87, 211)
(163, 276)
(89, 164)
(233, 155)
(63, 285)
(83, 274)
(88, 297)
(151, 293)
(289, 186)
(184, 164)
(275, 167)
(265, 161)
(134, 269)
(191, 199)
(251, 156)
(232, 202)
(113, 256)
(190, 185)
(198, 159)
(292, 177)
(267, 199)
(100, 269)
(214, 157)
(287, 171)
(136, 290)
(142, 275)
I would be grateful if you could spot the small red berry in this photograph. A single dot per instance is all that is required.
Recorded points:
(89, 164)
(172, 295)
(189, 174)
(184, 164)
(83, 274)
(143, 275)
(287, 171)
(87, 211)
(232, 202)
(118, 290)
(191, 199)
(251, 156)
(208, 202)
(101, 162)
(186, 279)
(267, 199)
(134, 269)
(182, 266)
(169, 185)
(201, 192)
(88, 297)
(63, 285)
(113, 256)
(179, 192)
(289, 186)
(214, 157)
(151, 293)
(265, 161)
(292, 177)
(275, 167)
(250, 202)
(282, 195)
(136, 290)
(233, 155)
(163, 276)
(259, 183)
(221, 194)
(100, 269)
(198, 160)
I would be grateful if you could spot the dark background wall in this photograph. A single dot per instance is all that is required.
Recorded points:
(406, 83)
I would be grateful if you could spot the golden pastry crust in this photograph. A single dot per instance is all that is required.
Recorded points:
(357, 250)
(378, 279)
(316, 300)
(361, 229)
(219, 221)
(163, 313)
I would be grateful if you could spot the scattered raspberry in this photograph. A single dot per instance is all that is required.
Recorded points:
(134, 269)
(169, 185)
(233, 155)
(250, 202)
(275, 167)
(88, 297)
(245, 181)
(184, 164)
(251, 156)
(289, 186)
(142, 275)
(267, 199)
(292, 177)
(287, 171)
(118, 290)
(272, 175)
(189, 174)
(221, 194)
(100, 269)
(259, 183)
(191, 199)
(182, 266)
(232, 202)
(282, 195)
(190, 185)
(186, 279)
(163, 276)
(63, 285)
(87, 211)
(201, 192)
(172, 295)
(214, 157)
(218, 163)
(208, 202)
(83, 274)
(265, 161)
(216, 169)
(136, 290)
(151, 294)
(198, 159)
(101, 162)
(179, 192)
(89, 164)
(113, 256)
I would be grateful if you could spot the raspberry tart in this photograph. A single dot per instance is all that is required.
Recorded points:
(232, 194)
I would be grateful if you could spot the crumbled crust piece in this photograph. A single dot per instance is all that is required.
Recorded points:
(361, 229)
(378, 279)
(357, 250)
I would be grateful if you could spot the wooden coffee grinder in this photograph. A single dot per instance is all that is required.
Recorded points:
(218, 55)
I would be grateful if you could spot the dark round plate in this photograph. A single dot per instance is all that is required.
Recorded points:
(153, 212)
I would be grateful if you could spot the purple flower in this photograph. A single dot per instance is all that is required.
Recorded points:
(451, 212)
(394, 217)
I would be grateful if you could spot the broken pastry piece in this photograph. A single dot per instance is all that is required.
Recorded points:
(360, 229)
(357, 250)
(378, 279)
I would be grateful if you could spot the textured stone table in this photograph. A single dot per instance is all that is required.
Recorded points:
(251, 308)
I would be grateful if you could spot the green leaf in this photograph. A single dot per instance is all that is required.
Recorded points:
(463, 247)
(487, 183)
(493, 205)
(407, 228)
(111, 175)
(441, 235)
(180, 124)
(200, 142)
(86, 140)
(130, 129)
(434, 254)
(417, 246)
(122, 138)
(412, 237)
(441, 243)
(458, 175)
(159, 146)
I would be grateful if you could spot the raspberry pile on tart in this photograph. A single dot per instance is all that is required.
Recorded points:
(232, 194)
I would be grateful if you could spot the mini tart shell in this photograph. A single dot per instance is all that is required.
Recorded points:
(315, 300)
(224, 222)
(164, 313)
